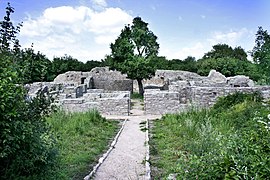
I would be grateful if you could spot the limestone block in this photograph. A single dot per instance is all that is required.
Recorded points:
(216, 77)
(114, 106)
(95, 90)
(69, 90)
(161, 102)
(91, 97)
(73, 101)
(240, 81)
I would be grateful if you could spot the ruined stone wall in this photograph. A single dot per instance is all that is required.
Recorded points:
(207, 96)
(105, 103)
(103, 78)
(162, 102)
(78, 105)
(114, 106)
(113, 85)
(71, 77)
(162, 79)
(97, 78)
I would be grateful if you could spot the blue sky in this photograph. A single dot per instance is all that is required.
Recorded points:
(85, 28)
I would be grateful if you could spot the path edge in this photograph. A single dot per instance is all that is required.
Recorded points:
(147, 156)
(105, 155)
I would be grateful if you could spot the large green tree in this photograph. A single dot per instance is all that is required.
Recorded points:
(134, 51)
(261, 53)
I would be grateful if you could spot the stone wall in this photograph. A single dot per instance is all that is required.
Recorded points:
(72, 78)
(78, 105)
(207, 96)
(97, 78)
(103, 78)
(113, 85)
(106, 103)
(162, 102)
(114, 106)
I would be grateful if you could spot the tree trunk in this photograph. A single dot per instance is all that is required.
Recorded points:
(141, 91)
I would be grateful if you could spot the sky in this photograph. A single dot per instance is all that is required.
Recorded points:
(84, 29)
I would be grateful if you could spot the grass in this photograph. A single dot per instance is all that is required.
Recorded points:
(230, 142)
(136, 95)
(82, 138)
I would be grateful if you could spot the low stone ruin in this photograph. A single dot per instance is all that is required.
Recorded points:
(101, 89)
(182, 90)
(167, 92)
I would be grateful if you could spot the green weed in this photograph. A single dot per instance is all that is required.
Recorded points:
(135, 95)
(82, 138)
(232, 143)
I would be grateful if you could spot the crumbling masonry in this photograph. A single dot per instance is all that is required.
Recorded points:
(167, 92)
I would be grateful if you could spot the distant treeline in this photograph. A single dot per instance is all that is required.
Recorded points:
(223, 58)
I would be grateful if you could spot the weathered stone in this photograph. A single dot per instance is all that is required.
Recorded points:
(216, 77)
(184, 89)
(72, 78)
(240, 81)
(161, 102)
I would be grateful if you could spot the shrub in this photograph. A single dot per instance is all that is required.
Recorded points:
(26, 146)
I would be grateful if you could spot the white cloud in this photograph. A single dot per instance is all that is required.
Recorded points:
(101, 3)
(233, 38)
(196, 50)
(203, 16)
(81, 32)
(109, 20)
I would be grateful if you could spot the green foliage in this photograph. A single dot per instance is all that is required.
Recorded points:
(8, 32)
(225, 51)
(261, 54)
(228, 67)
(134, 51)
(135, 95)
(34, 66)
(226, 102)
(82, 138)
(26, 146)
(213, 144)
(66, 63)
(228, 61)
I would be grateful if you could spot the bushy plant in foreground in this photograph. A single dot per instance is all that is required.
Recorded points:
(26, 146)
(232, 143)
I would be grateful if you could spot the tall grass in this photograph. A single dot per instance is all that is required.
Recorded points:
(82, 138)
(225, 142)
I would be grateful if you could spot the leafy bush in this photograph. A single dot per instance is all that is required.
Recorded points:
(26, 146)
(228, 101)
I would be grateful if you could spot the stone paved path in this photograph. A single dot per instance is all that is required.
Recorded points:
(127, 159)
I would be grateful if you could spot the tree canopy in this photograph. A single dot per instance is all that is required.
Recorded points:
(134, 52)
(261, 53)
(226, 51)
